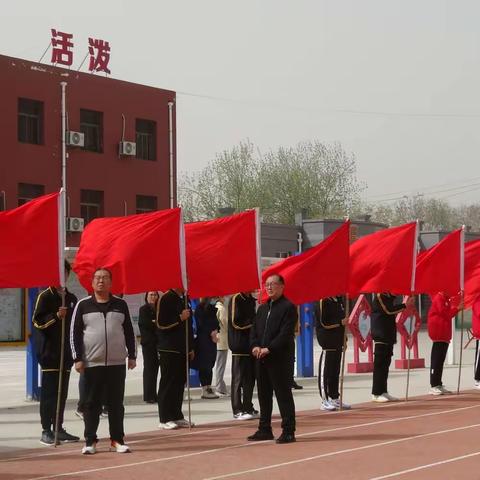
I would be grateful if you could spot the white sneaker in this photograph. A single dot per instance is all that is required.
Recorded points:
(436, 391)
(477, 384)
(336, 403)
(168, 425)
(247, 416)
(238, 416)
(391, 398)
(208, 393)
(89, 449)
(119, 447)
(445, 390)
(183, 423)
(326, 405)
(380, 398)
(222, 394)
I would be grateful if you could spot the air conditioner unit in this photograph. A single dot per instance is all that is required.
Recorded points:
(75, 139)
(75, 224)
(128, 148)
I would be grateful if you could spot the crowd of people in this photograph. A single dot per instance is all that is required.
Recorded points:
(98, 339)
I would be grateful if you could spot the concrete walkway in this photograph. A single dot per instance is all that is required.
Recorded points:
(20, 423)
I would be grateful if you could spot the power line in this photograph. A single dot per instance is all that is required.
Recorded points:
(348, 111)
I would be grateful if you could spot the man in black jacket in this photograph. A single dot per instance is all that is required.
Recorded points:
(173, 312)
(330, 329)
(384, 335)
(47, 320)
(241, 312)
(272, 344)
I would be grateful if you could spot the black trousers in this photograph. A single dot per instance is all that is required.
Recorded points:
(477, 363)
(437, 359)
(328, 373)
(97, 380)
(48, 398)
(274, 376)
(243, 382)
(150, 372)
(381, 363)
(205, 376)
(81, 394)
(171, 387)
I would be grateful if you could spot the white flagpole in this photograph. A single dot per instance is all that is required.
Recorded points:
(462, 293)
(258, 238)
(412, 291)
(61, 267)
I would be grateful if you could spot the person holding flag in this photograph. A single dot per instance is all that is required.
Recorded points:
(439, 324)
(476, 334)
(330, 323)
(48, 316)
(384, 335)
(173, 312)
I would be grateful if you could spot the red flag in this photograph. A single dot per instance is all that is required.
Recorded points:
(439, 267)
(30, 244)
(384, 261)
(223, 255)
(472, 272)
(317, 273)
(144, 252)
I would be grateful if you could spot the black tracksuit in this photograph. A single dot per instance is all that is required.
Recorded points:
(102, 337)
(171, 337)
(241, 312)
(330, 331)
(147, 323)
(384, 335)
(48, 341)
(274, 328)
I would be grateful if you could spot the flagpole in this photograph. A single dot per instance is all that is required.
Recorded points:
(344, 349)
(61, 272)
(462, 293)
(412, 293)
(187, 349)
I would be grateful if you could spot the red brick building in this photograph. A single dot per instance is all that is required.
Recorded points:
(104, 177)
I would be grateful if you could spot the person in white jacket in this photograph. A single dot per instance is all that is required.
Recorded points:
(222, 348)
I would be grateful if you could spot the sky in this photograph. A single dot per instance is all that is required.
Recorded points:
(395, 82)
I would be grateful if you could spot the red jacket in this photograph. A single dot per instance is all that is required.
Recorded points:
(440, 317)
(476, 318)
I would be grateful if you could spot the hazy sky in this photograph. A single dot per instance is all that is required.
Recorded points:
(396, 82)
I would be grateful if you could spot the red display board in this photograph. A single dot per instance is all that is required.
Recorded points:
(408, 324)
(359, 325)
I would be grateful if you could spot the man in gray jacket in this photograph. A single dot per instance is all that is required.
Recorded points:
(101, 338)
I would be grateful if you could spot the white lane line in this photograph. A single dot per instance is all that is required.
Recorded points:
(430, 465)
(249, 444)
(339, 452)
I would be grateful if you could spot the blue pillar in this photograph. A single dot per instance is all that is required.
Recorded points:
(194, 378)
(305, 341)
(32, 385)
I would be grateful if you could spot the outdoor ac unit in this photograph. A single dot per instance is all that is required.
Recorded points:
(75, 224)
(75, 139)
(128, 148)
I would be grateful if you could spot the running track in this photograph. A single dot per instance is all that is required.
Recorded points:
(424, 438)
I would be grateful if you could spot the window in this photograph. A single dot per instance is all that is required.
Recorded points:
(91, 204)
(28, 191)
(30, 121)
(146, 204)
(91, 125)
(145, 139)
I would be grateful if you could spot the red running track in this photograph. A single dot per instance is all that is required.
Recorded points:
(423, 438)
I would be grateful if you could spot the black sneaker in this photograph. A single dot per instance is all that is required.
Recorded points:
(65, 437)
(260, 436)
(48, 438)
(286, 438)
(296, 386)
